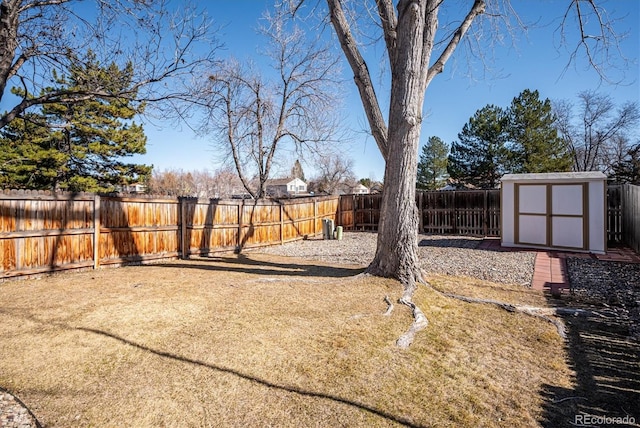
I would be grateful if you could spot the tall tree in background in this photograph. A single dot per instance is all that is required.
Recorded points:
(597, 132)
(432, 167)
(38, 37)
(253, 117)
(627, 169)
(480, 156)
(533, 138)
(77, 146)
(296, 170)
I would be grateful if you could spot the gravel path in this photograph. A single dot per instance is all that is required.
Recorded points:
(449, 255)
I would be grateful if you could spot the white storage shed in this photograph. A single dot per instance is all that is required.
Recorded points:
(564, 211)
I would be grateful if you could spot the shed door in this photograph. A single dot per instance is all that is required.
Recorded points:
(552, 215)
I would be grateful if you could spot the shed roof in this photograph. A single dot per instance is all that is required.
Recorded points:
(557, 176)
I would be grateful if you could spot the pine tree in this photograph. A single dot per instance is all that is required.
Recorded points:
(77, 146)
(480, 157)
(296, 171)
(533, 139)
(432, 166)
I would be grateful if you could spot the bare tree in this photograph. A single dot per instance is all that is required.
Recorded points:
(42, 37)
(172, 182)
(254, 117)
(223, 183)
(334, 170)
(598, 133)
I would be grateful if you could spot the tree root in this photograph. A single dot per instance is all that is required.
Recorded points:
(542, 313)
(420, 322)
(389, 306)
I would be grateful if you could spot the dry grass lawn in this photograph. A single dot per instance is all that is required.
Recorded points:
(268, 341)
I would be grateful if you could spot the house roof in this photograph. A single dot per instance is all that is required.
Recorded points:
(281, 181)
(554, 176)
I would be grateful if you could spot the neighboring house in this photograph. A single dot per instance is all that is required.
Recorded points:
(360, 189)
(351, 189)
(285, 187)
(135, 188)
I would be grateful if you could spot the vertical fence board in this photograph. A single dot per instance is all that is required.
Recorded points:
(630, 201)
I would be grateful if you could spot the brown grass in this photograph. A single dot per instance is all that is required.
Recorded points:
(267, 341)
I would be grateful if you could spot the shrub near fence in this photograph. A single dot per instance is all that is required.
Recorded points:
(44, 232)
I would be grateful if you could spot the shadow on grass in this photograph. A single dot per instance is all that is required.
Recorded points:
(606, 362)
(244, 264)
(289, 388)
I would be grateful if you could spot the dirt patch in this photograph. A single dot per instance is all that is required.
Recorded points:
(266, 340)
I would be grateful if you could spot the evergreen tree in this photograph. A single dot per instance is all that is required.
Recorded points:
(432, 167)
(296, 171)
(77, 146)
(480, 157)
(533, 139)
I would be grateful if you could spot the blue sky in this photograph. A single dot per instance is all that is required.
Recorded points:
(534, 61)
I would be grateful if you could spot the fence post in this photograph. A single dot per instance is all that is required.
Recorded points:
(240, 215)
(354, 212)
(315, 215)
(96, 231)
(183, 227)
(281, 222)
(339, 211)
(485, 225)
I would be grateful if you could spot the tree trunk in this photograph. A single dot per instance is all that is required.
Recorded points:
(397, 249)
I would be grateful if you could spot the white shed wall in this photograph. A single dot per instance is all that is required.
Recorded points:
(575, 219)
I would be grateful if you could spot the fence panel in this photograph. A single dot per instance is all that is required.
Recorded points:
(43, 232)
(137, 229)
(451, 212)
(631, 215)
(615, 234)
(40, 232)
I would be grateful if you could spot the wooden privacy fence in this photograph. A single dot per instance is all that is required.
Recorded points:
(466, 212)
(630, 201)
(44, 232)
(477, 213)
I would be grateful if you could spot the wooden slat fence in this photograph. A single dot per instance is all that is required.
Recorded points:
(630, 195)
(44, 232)
(452, 212)
(615, 235)
(470, 212)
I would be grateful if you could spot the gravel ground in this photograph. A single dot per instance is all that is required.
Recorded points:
(13, 414)
(449, 255)
(614, 285)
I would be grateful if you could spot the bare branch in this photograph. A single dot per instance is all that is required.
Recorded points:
(438, 66)
(361, 76)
